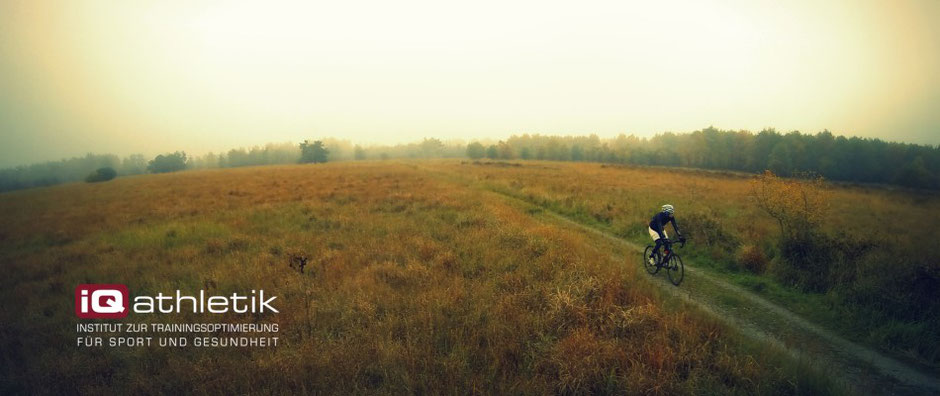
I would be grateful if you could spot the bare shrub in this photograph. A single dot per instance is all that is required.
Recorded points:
(799, 207)
(752, 258)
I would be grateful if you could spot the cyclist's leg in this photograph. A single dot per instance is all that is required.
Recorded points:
(664, 256)
(655, 236)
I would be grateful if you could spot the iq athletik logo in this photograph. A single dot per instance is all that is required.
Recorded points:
(112, 301)
(102, 301)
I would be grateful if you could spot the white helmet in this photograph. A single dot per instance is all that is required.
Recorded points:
(668, 209)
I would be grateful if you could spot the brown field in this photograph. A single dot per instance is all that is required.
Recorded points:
(421, 279)
(887, 296)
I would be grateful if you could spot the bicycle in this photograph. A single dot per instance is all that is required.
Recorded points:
(671, 261)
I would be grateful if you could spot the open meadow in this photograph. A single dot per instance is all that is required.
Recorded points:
(436, 277)
(465, 198)
(871, 270)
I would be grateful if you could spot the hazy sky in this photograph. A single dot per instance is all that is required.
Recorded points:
(154, 76)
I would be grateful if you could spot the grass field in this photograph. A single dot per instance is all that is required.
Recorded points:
(888, 296)
(422, 278)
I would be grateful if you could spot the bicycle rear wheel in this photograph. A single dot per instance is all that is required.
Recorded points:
(675, 270)
(651, 268)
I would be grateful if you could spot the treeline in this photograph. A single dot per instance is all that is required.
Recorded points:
(834, 157)
(339, 150)
(82, 168)
(68, 170)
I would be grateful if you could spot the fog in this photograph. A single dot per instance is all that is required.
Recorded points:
(151, 77)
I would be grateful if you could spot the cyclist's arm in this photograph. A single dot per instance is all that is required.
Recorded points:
(675, 227)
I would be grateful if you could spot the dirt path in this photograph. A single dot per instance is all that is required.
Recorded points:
(861, 369)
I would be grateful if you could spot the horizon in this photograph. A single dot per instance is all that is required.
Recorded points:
(150, 78)
(447, 142)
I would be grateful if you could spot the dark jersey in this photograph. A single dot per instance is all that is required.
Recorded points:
(659, 221)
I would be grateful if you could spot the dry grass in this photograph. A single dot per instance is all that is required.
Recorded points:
(413, 284)
(888, 296)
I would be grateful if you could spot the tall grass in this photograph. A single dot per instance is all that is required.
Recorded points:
(875, 272)
(413, 285)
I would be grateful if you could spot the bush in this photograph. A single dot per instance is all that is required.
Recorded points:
(167, 163)
(799, 207)
(752, 258)
(706, 229)
(818, 262)
(896, 294)
(101, 175)
(902, 285)
(805, 261)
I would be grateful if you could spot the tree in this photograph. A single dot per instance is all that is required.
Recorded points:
(168, 163)
(797, 205)
(525, 153)
(476, 150)
(780, 161)
(492, 152)
(313, 152)
(431, 148)
(577, 153)
(505, 151)
(914, 174)
(134, 164)
(764, 143)
(359, 153)
(238, 157)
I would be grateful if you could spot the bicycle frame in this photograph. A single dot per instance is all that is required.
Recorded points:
(676, 272)
(667, 249)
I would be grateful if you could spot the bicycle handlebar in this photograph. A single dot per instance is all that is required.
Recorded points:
(681, 241)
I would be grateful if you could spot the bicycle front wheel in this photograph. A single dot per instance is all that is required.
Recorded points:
(675, 270)
(652, 268)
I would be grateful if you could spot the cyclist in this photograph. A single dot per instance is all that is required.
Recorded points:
(657, 228)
